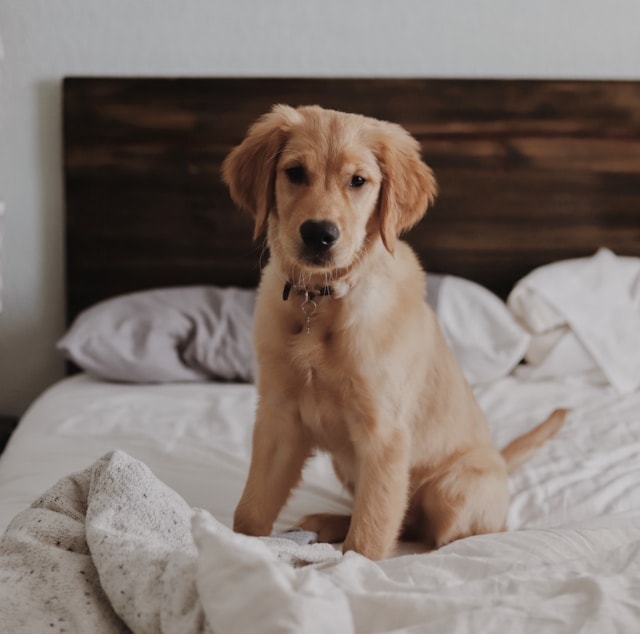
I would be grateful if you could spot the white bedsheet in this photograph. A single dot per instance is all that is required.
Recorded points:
(195, 437)
(571, 562)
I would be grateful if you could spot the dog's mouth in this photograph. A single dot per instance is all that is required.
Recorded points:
(314, 259)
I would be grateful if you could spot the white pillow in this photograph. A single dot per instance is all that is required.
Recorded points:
(485, 338)
(584, 315)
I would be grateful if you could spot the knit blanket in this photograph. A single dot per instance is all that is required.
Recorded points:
(113, 549)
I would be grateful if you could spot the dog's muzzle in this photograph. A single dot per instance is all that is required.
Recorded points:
(318, 237)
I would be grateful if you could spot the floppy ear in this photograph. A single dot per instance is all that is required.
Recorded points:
(249, 169)
(408, 185)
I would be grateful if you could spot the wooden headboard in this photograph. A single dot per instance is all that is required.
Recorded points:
(529, 172)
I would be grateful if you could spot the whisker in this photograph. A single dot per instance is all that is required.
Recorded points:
(262, 259)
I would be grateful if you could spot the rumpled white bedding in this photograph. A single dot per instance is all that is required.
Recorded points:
(112, 549)
(195, 437)
(584, 318)
(569, 563)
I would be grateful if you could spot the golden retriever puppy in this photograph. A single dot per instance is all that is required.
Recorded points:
(351, 358)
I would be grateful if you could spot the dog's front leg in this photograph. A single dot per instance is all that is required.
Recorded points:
(380, 496)
(280, 449)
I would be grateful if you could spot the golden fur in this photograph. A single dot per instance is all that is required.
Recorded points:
(363, 372)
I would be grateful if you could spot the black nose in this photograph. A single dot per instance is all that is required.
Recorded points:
(319, 235)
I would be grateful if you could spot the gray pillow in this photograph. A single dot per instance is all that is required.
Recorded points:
(176, 334)
(205, 332)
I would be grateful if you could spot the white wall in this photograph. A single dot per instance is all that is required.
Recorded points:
(45, 40)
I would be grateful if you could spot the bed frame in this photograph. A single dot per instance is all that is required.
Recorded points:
(529, 172)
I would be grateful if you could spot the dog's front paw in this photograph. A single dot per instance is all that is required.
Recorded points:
(330, 528)
(249, 525)
(365, 547)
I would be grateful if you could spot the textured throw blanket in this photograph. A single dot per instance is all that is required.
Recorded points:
(112, 549)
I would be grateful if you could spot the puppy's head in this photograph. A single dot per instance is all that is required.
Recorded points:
(326, 185)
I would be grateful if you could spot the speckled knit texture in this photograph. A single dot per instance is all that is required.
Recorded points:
(48, 582)
(110, 549)
(106, 550)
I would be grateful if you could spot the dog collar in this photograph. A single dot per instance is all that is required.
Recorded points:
(310, 295)
(308, 306)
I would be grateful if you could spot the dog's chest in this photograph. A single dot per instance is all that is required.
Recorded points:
(326, 393)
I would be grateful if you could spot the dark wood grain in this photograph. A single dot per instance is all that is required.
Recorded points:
(529, 172)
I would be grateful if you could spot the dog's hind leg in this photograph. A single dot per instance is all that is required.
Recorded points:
(470, 497)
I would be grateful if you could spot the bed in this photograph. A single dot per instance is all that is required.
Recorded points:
(118, 487)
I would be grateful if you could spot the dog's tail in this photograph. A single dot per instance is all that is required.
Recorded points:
(517, 452)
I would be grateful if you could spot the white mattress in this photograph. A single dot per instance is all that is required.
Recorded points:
(571, 561)
(197, 439)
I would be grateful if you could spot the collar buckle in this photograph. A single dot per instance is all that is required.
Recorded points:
(310, 295)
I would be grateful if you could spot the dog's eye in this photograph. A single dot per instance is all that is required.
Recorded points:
(357, 181)
(296, 175)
